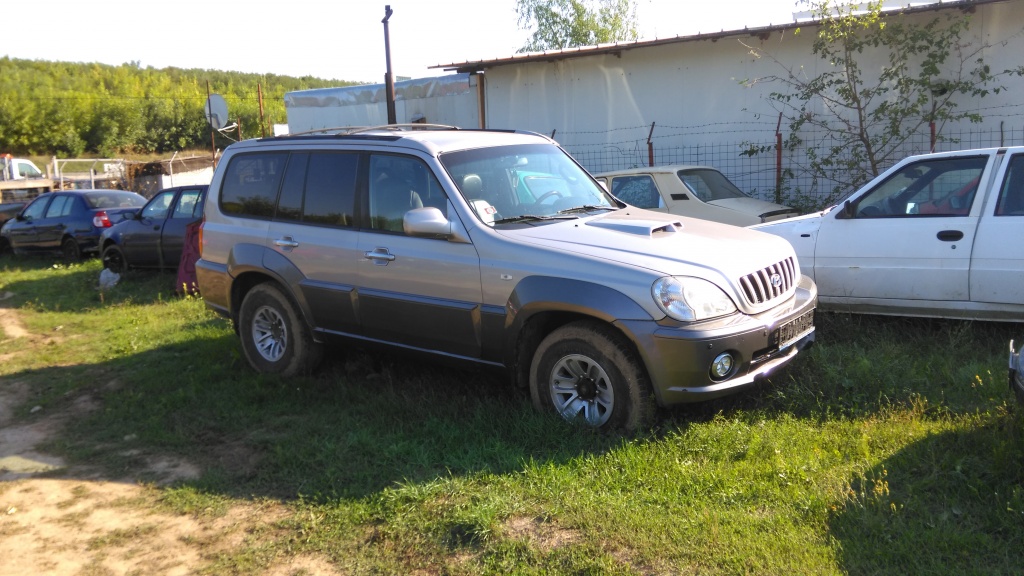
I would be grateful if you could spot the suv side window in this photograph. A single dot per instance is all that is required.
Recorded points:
(331, 189)
(399, 184)
(250, 184)
(319, 188)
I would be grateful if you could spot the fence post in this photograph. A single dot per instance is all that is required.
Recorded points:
(650, 147)
(778, 161)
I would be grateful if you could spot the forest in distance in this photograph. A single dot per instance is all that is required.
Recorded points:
(72, 109)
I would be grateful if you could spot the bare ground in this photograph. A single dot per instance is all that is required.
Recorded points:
(61, 519)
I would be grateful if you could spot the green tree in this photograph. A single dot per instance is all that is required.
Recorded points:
(885, 80)
(558, 24)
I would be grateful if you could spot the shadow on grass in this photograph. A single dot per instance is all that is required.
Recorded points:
(865, 365)
(952, 503)
(361, 424)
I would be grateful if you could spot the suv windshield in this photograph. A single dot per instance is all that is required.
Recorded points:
(524, 182)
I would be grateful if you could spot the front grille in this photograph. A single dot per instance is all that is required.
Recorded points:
(759, 287)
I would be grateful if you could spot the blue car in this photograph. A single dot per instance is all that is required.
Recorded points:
(68, 222)
(154, 236)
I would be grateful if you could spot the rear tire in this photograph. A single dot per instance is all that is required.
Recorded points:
(70, 250)
(588, 372)
(114, 260)
(274, 335)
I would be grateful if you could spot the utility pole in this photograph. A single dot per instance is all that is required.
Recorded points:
(389, 80)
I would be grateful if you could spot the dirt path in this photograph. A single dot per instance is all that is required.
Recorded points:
(75, 521)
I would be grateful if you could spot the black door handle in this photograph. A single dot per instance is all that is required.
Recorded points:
(950, 235)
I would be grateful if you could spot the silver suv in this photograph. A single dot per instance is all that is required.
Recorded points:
(497, 248)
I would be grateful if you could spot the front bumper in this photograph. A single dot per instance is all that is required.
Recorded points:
(679, 357)
(1016, 376)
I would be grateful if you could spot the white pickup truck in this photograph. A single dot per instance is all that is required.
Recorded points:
(18, 168)
(935, 235)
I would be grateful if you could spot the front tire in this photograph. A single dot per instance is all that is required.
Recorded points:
(114, 260)
(274, 335)
(588, 372)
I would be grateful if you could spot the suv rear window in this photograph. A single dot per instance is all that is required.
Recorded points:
(250, 184)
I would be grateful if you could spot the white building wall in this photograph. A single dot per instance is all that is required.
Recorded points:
(601, 107)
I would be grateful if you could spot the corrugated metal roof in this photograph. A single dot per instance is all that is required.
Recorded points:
(472, 66)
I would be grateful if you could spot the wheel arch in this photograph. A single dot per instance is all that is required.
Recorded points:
(250, 265)
(540, 305)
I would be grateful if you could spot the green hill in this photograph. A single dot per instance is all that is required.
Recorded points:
(70, 109)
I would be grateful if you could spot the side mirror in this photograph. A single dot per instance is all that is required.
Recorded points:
(428, 222)
(847, 212)
(20, 217)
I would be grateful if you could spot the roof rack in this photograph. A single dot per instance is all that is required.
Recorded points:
(346, 130)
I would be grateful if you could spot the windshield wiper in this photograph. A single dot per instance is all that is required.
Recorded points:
(585, 208)
(533, 218)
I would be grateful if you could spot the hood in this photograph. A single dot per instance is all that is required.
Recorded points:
(755, 207)
(668, 244)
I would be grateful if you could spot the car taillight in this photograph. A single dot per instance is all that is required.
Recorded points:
(200, 238)
(101, 220)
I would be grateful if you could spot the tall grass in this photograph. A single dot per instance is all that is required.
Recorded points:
(892, 446)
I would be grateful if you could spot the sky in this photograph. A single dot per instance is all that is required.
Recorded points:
(340, 39)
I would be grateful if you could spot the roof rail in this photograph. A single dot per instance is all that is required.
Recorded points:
(346, 130)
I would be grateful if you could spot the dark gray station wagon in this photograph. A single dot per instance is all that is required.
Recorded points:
(496, 248)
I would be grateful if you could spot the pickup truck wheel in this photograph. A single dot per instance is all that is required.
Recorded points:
(70, 250)
(274, 336)
(114, 260)
(588, 372)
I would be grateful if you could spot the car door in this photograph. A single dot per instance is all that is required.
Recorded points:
(50, 229)
(997, 263)
(423, 293)
(140, 241)
(314, 229)
(22, 232)
(907, 238)
(184, 210)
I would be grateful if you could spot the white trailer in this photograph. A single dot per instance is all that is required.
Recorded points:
(453, 99)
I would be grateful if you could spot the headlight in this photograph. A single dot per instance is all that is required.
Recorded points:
(690, 299)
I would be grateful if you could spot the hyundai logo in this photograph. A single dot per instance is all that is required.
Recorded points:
(776, 280)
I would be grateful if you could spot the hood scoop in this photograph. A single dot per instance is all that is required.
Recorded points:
(639, 227)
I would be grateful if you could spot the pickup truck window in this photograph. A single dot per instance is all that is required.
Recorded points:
(1011, 196)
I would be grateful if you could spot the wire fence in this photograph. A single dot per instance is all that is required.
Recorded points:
(753, 164)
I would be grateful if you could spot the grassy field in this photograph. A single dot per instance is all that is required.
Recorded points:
(892, 447)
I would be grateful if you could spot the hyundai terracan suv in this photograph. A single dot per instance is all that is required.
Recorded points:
(493, 247)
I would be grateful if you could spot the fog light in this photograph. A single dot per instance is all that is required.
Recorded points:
(722, 366)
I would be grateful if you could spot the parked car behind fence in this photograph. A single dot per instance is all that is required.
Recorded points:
(694, 191)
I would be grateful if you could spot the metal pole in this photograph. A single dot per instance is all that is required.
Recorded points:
(389, 81)
(263, 120)
(778, 160)
(209, 112)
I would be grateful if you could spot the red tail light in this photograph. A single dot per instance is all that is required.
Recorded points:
(101, 220)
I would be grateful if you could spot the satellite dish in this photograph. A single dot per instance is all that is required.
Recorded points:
(216, 111)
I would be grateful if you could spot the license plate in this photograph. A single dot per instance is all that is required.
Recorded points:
(784, 335)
